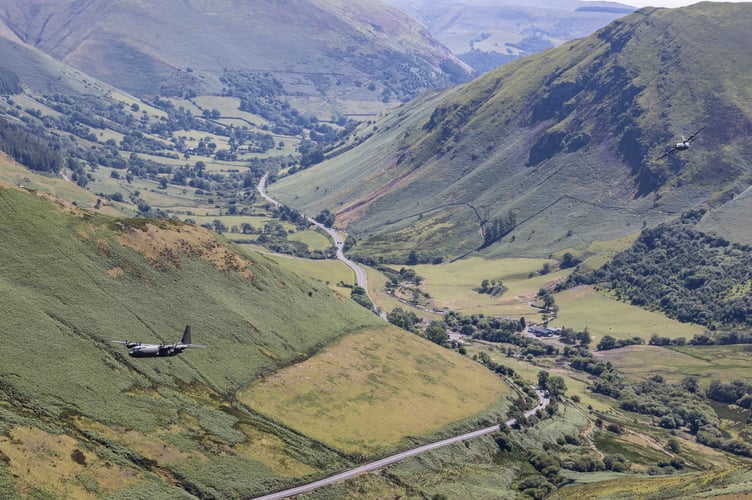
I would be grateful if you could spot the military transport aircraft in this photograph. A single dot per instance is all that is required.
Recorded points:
(681, 146)
(141, 350)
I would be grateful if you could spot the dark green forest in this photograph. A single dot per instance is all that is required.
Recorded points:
(688, 275)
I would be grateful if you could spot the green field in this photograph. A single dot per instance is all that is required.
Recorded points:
(584, 307)
(727, 363)
(314, 240)
(394, 393)
(328, 272)
(451, 286)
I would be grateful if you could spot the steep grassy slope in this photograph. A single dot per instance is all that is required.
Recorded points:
(564, 143)
(89, 420)
(316, 48)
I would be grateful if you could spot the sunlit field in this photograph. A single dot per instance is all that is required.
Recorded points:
(724, 362)
(371, 390)
(453, 286)
(584, 307)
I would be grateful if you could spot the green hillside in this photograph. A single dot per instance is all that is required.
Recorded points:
(552, 151)
(89, 420)
(334, 53)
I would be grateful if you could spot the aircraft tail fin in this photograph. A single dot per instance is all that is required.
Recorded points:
(186, 335)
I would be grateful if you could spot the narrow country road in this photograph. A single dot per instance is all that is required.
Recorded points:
(361, 279)
(543, 401)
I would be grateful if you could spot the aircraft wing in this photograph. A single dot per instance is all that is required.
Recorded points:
(126, 343)
(666, 154)
(692, 137)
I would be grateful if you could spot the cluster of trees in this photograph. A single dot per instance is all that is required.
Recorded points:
(435, 331)
(737, 393)
(492, 287)
(35, 152)
(360, 296)
(482, 326)
(498, 227)
(554, 384)
(325, 218)
(261, 94)
(683, 405)
(686, 274)
(608, 342)
(571, 337)
(407, 320)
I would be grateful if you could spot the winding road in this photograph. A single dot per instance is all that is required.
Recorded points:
(543, 401)
(361, 280)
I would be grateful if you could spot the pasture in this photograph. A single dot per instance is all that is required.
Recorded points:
(314, 240)
(329, 272)
(373, 389)
(452, 286)
(724, 362)
(584, 307)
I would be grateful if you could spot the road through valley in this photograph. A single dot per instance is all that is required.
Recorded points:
(361, 280)
(543, 401)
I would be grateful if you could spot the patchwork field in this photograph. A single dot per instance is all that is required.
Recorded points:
(372, 390)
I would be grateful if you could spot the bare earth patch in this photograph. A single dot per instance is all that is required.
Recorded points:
(164, 245)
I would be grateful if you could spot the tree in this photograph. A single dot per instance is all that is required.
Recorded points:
(325, 218)
(583, 337)
(556, 386)
(606, 343)
(436, 332)
(412, 258)
(542, 379)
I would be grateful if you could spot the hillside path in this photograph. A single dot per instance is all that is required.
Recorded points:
(543, 401)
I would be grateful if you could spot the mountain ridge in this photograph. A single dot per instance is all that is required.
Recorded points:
(332, 50)
(580, 126)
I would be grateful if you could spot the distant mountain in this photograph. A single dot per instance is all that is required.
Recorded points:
(556, 150)
(488, 33)
(338, 52)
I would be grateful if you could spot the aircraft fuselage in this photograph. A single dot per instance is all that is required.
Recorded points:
(154, 350)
